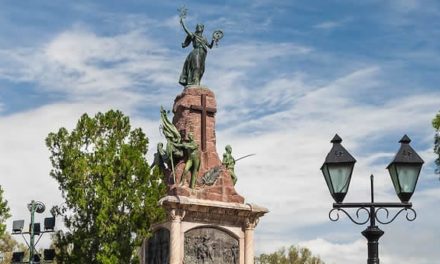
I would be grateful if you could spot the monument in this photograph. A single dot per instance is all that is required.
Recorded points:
(208, 221)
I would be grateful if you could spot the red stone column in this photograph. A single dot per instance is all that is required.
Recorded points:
(188, 119)
(194, 112)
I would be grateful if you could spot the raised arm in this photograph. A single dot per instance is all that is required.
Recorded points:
(210, 45)
(184, 27)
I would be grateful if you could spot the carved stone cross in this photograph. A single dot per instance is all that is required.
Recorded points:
(204, 111)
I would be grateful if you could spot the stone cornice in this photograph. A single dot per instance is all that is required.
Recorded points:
(215, 212)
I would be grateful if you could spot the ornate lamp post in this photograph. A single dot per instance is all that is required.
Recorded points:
(404, 171)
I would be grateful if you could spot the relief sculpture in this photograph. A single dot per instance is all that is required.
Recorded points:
(208, 245)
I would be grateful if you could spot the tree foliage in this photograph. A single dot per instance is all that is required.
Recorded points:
(4, 212)
(293, 255)
(8, 245)
(110, 195)
(436, 125)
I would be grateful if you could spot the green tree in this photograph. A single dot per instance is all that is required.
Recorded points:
(110, 195)
(8, 245)
(4, 213)
(293, 255)
(436, 125)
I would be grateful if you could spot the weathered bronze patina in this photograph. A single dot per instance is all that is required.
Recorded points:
(210, 245)
(192, 163)
(229, 162)
(194, 65)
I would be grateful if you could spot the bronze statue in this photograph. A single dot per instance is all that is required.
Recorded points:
(161, 159)
(194, 65)
(229, 163)
(173, 151)
(177, 149)
(193, 160)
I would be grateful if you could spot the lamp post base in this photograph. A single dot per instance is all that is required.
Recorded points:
(372, 234)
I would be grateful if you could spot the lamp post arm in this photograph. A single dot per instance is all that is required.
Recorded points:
(334, 215)
(373, 209)
(357, 205)
(411, 215)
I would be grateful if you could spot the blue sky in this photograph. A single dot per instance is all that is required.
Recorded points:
(288, 75)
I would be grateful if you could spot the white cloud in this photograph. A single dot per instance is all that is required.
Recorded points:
(86, 66)
(328, 25)
(251, 54)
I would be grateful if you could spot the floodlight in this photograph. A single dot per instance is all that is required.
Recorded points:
(36, 258)
(17, 226)
(49, 223)
(49, 254)
(17, 257)
(37, 229)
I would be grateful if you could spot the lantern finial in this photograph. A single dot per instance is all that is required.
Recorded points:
(336, 139)
(405, 140)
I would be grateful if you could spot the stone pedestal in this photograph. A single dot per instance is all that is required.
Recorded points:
(209, 223)
(203, 231)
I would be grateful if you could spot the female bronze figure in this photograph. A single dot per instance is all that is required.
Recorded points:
(194, 65)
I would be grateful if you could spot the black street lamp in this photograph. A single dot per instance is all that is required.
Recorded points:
(337, 170)
(404, 171)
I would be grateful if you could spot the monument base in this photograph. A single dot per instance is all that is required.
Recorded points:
(203, 231)
(221, 190)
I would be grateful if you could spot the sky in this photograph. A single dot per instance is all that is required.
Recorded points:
(287, 76)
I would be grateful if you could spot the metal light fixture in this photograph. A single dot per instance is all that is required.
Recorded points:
(17, 226)
(36, 258)
(37, 228)
(337, 170)
(17, 257)
(49, 254)
(405, 170)
(36, 206)
(49, 223)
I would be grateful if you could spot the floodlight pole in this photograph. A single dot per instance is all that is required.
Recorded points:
(31, 244)
(34, 207)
